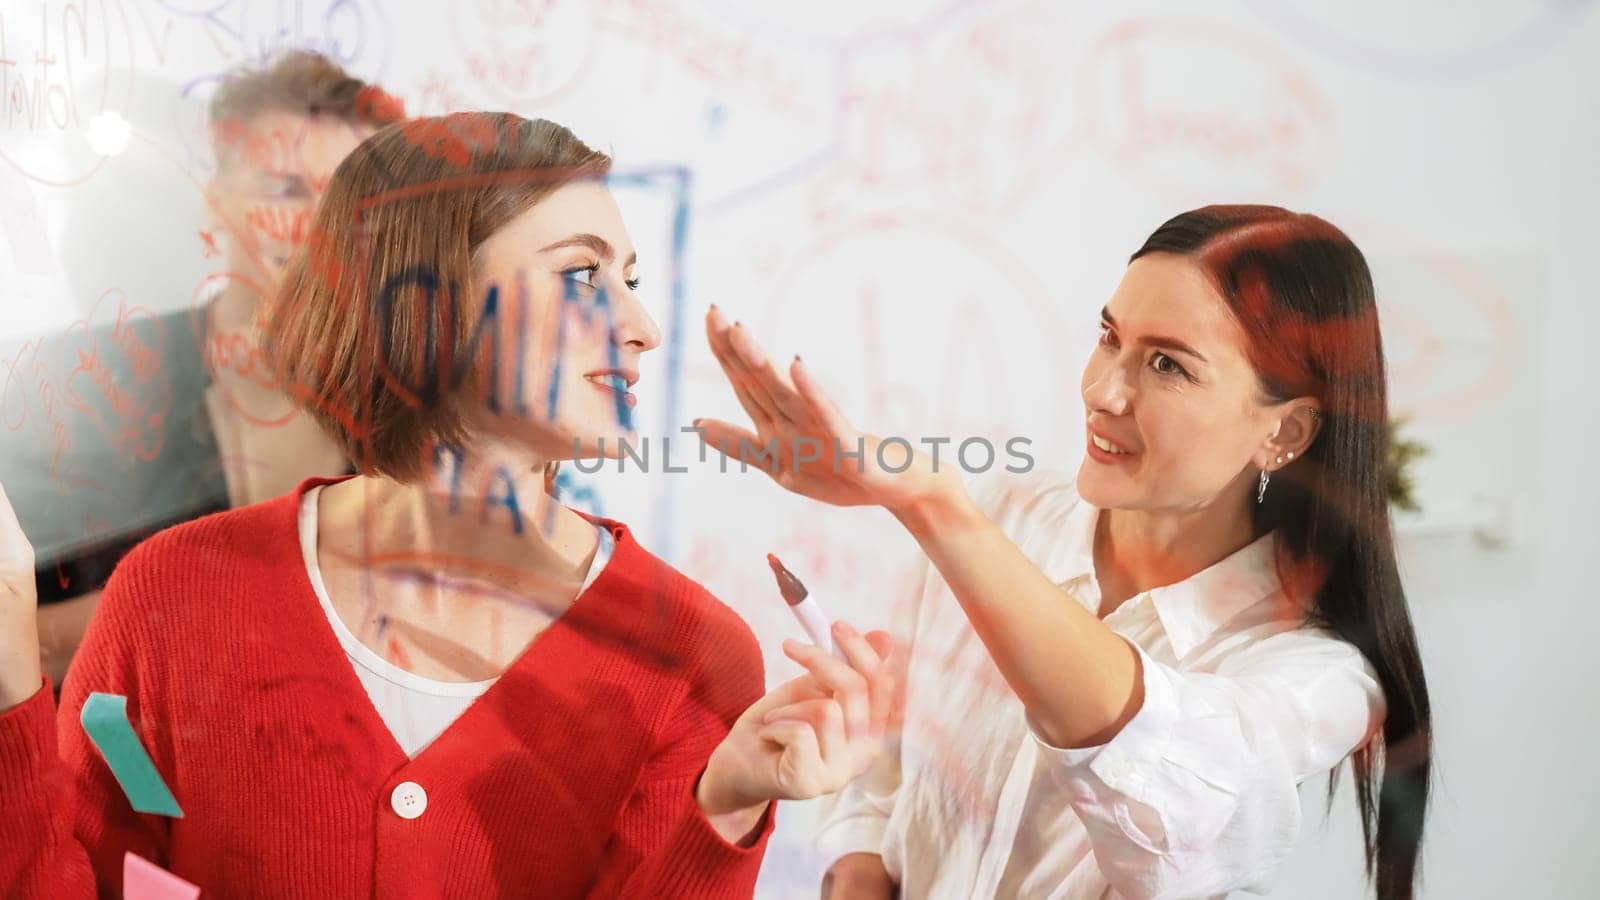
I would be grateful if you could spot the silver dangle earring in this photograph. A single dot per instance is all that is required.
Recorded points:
(1261, 488)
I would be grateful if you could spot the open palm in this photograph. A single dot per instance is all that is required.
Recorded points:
(802, 439)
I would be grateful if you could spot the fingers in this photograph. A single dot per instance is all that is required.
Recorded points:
(730, 440)
(819, 756)
(873, 668)
(801, 772)
(770, 384)
(752, 371)
(843, 756)
(818, 404)
(830, 721)
(888, 689)
(762, 414)
(882, 643)
(826, 720)
(794, 690)
(871, 677)
(847, 686)
(883, 685)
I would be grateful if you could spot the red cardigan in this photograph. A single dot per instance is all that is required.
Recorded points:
(572, 776)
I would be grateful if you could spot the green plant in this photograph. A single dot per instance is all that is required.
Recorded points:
(1399, 455)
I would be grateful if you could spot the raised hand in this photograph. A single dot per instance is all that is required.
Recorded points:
(19, 606)
(802, 439)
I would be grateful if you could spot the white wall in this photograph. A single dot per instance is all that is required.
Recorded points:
(931, 202)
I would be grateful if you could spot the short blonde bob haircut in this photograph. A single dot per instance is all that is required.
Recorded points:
(376, 331)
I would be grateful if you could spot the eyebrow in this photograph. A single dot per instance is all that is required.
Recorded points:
(1169, 343)
(594, 242)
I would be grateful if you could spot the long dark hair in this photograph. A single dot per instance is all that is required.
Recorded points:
(1304, 296)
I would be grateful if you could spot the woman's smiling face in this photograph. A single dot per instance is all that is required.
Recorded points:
(1174, 412)
(574, 357)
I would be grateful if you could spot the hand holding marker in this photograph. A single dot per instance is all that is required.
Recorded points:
(810, 735)
(804, 608)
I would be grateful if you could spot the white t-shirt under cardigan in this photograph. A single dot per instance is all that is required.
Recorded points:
(416, 709)
(1195, 797)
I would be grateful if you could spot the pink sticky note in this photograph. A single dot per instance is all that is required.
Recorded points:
(144, 880)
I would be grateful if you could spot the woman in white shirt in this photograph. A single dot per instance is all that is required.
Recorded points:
(1124, 704)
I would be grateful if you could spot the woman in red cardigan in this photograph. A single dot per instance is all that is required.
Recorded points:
(430, 679)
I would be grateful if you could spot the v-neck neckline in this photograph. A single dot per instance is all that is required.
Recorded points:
(535, 661)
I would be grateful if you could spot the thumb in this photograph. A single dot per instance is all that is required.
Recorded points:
(727, 437)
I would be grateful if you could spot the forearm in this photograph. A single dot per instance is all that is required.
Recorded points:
(61, 627)
(19, 651)
(1077, 678)
(856, 876)
(739, 826)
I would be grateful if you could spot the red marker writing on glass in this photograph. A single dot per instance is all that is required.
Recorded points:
(804, 607)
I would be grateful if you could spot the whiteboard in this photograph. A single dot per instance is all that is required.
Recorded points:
(929, 199)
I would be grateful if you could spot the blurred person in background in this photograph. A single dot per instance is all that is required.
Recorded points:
(229, 436)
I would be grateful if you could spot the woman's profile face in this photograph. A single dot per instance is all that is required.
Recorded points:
(1170, 387)
(568, 362)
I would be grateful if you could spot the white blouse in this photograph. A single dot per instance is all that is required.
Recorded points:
(1195, 797)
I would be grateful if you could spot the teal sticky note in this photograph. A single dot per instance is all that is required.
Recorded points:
(105, 720)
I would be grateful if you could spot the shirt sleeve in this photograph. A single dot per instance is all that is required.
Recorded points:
(39, 855)
(1198, 794)
(855, 819)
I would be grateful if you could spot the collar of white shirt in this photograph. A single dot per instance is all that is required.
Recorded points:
(1194, 608)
